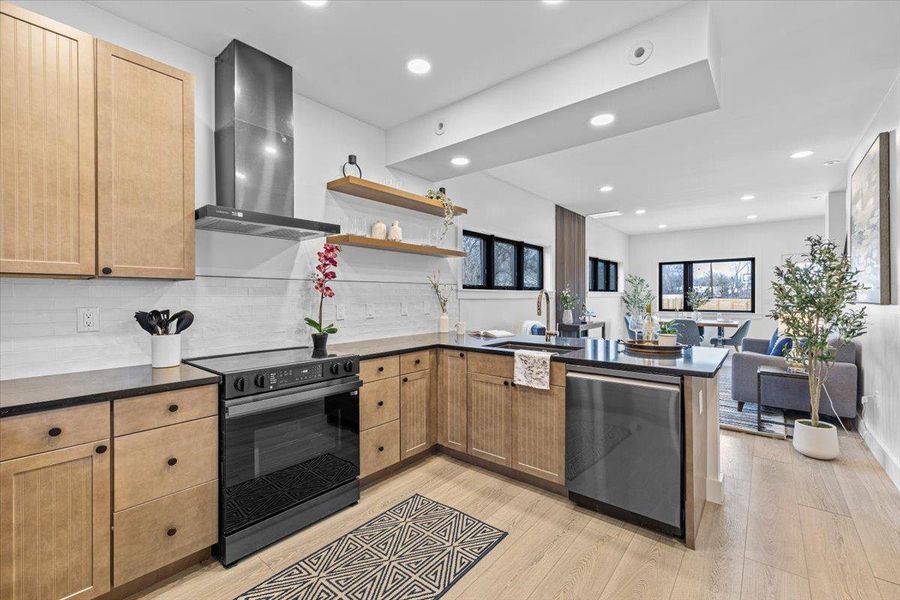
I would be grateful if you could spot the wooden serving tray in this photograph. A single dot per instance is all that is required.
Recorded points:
(653, 348)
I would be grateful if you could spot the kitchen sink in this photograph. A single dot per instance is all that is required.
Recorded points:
(526, 346)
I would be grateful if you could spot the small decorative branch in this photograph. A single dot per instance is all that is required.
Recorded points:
(441, 195)
(443, 296)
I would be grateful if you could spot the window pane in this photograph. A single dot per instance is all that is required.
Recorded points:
(672, 287)
(504, 264)
(601, 276)
(613, 277)
(532, 267)
(703, 280)
(732, 286)
(473, 268)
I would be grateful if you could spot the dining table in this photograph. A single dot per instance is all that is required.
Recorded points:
(720, 325)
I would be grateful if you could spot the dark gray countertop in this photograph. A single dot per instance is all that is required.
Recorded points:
(698, 361)
(31, 394)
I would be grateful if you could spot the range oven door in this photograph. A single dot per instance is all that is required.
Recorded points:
(284, 448)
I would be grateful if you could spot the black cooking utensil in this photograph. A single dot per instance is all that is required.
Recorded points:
(146, 323)
(182, 319)
(157, 320)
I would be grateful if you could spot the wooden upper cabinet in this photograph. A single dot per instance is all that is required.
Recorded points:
(490, 403)
(538, 432)
(55, 524)
(145, 167)
(47, 207)
(452, 404)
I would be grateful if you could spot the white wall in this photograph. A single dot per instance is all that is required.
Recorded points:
(604, 242)
(769, 243)
(880, 347)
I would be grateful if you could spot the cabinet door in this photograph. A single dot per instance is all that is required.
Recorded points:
(490, 401)
(538, 432)
(145, 167)
(452, 403)
(54, 523)
(415, 409)
(46, 146)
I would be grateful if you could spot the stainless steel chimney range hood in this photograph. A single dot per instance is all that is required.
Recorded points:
(255, 149)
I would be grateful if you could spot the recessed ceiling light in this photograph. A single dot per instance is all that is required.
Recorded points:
(418, 66)
(315, 3)
(751, 217)
(603, 215)
(239, 175)
(640, 211)
(271, 150)
(831, 163)
(663, 226)
(603, 119)
(747, 197)
(553, 1)
(459, 161)
(606, 188)
(802, 154)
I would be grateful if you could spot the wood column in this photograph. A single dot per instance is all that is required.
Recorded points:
(570, 257)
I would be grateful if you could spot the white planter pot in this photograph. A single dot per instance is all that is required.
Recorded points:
(668, 339)
(165, 350)
(816, 442)
(568, 319)
(443, 323)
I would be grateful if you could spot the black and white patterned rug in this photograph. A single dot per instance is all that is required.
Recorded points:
(415, 550)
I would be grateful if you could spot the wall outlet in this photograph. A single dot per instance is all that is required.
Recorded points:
(404, 308)
(88, 319)
(340, 312)
(370, 311)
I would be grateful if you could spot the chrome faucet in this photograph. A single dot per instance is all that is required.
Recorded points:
(547, 332)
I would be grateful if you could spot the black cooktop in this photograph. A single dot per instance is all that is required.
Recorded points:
(225, 364)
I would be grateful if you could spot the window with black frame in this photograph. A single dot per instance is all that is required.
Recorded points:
(495, 263)
(603, 275)
(729, 282)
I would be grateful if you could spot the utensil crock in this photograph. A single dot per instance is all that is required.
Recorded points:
(165, 351)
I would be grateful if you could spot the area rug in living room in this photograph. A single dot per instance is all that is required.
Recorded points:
(416, 550)
(774, 422)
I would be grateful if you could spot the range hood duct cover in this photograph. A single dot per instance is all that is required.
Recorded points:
(255, 149)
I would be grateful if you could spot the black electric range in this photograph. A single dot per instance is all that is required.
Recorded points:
(288, 443)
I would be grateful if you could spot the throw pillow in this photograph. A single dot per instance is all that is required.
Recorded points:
(772, 341)
(782, 346)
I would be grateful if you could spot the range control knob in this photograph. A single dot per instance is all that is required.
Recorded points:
(335, 368)
(348, 366)
(240, 383)
(260, 380)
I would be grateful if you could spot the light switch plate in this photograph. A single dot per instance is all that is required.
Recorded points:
(370, 311)
(404, 308)
(88, 319)
(340, 312)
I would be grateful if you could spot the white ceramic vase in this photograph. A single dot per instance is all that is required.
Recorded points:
(816, 442)
(667, 339)
(395, 234)
(568, 319)
(165, 350)
(443, 323)
(379, 230)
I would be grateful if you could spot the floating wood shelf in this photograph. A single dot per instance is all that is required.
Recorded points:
(346, 239)
(363, 188)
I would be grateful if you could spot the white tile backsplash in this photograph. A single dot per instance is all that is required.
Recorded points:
(232, 314)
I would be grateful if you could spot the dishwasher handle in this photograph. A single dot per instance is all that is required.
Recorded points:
(624, 381)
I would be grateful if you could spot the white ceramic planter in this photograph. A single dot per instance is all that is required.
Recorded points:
(165, 350)
(816, 442)
(667, 339)
(568, 318)
(443, 323)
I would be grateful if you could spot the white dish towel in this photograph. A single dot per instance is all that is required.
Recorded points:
(532, 369)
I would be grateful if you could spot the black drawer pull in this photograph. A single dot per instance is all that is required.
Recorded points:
(100, 449)
(405, 379)
(107, 270)
(381, 448)
(172, 461)
(462, 355)
(418, 361)
(54, 431)
(381, 403)
(173, 407)
(171, 531)
(505, 383)
(380, 369)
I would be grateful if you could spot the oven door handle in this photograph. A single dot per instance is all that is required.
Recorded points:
(287, 398)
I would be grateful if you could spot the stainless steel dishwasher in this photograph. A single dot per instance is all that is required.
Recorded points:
(624, 446)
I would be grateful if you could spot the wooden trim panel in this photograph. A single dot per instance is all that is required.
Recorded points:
(34, 432)
(131, 415)
(379, 402)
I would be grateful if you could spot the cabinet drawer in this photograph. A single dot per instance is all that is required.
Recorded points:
(154, 463)
(415, 361)
(131, 415)
(53, 429)
(160, 532)
(491, 364)
(379, 402)
(379, 448)
(379, 368)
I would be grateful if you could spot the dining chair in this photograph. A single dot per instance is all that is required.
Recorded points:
(631, 334)
(687, 332)
(735, 339)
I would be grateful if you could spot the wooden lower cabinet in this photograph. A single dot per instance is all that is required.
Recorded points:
(54, 524)
(415, 413)
(489, 419)
(539, 432)
(452, 412)
(379, 448)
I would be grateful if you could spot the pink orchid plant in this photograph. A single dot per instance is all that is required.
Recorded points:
(324, 273)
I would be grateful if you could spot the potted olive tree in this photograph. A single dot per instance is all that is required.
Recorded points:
(812, 301)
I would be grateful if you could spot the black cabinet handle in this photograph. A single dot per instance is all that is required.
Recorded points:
(171, 531)
(381, 403)
(100, 449)
(172, 461)
(54, 431)
(173, 407)
(405, 379)
(418, 360)
(381, 448)
(106, 270)
(505, 383)
(380, 369)
(462, 355)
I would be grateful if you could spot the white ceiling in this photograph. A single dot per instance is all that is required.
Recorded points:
(794, 75)
(352, 55)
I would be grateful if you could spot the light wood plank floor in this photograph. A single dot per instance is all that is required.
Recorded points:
(790, 529)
